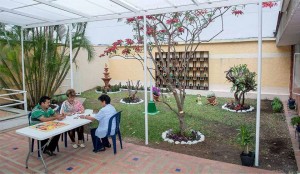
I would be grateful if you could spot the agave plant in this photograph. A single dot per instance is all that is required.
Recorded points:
(46, 56)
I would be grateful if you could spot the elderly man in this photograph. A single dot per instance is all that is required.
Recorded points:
(42, 112)
(103, 117)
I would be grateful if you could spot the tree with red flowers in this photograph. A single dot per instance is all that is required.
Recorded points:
(164, 32)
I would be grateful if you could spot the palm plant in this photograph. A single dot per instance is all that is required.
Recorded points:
(46, 56)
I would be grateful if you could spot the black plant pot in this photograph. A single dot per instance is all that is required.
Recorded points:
(291, 103)
(247, 159)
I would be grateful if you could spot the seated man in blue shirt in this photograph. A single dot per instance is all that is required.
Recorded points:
(42, 112)
(103, 117)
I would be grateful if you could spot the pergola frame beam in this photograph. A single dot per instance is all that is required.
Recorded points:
(148, 12)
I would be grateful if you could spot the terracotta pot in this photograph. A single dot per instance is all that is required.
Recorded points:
(155, 97)
(211, 99)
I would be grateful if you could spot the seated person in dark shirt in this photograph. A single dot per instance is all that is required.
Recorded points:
(42, 112)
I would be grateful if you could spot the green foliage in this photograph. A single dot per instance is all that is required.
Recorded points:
(245, 137)
(243, 81)
(277, 105)
(210, 94)
(99, 88)
(295, 120)
(46, 57)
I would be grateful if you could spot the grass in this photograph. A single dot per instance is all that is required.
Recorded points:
(197, 117)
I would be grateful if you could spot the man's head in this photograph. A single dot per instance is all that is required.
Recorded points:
(104, 100)
(45, 102)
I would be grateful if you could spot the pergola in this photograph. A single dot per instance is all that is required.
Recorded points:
(37, 13)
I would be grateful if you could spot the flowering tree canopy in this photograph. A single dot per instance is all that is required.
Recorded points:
(164, 32)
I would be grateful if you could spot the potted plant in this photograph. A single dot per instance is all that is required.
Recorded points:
(296, 122)
(245, 138)
(156, 93)
(291, 103)
(211, 98)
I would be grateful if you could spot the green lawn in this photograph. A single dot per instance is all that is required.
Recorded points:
(197, 117)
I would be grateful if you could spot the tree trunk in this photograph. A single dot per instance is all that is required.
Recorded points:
(243, 99)
(182, 124)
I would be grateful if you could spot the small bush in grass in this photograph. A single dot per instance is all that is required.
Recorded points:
(277, 105)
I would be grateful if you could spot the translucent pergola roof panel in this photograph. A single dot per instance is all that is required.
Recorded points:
(34, 13)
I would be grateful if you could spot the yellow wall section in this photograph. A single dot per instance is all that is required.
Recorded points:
(276, 62)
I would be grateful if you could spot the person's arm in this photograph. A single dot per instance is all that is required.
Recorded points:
(87, 117)
(45, 119)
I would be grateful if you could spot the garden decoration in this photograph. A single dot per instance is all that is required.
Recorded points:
(106, 78)
(243, 81)
(156, 93)
(132, 91)
(164, 32)
(245, 138)
(211, 99)
(199, 102)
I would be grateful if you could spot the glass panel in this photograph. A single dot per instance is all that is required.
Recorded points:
(11, 4)
(109, 6)
(17, 18)
(48, 12)
(180, 2)
(146, 5)
(83, 6)
(296, 81)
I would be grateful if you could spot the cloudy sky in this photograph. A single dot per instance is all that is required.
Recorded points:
(245, 26)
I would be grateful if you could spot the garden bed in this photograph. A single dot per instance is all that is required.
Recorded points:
(218, 126)
(244, 110)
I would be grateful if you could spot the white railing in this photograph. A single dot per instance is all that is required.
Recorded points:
(16, 102)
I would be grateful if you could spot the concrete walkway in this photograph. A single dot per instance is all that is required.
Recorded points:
(131, 159)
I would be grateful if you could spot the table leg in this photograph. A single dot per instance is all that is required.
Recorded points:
(41, 156)
(29, 152)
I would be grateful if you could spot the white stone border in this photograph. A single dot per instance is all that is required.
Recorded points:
(164, 137)
(100, 92)
(239, 111)
(141, 101)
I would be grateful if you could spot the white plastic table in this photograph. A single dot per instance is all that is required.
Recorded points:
(40, 135)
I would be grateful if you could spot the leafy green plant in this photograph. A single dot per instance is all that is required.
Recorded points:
(99, 88)
(245, 138)
(243, 81)
(46, 56)
(277, 105)
(295, 120)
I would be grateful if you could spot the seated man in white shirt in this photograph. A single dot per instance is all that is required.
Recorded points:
(103, 117)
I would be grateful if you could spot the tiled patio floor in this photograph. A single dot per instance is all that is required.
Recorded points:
(132, 159)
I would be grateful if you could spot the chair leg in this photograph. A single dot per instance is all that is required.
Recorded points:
(114, 143)
(62, 137)
(120, 138)
(57, 148)
(32, 145)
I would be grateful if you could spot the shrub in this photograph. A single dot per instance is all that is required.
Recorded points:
(295, 120)
(277, 105)
(98, 88)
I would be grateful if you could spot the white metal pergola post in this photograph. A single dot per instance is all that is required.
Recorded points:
(259, 67)
(71, 56)
(23, 71)
(145, 81)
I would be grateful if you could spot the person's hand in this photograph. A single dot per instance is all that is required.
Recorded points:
(82, 116)
(60, 117)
